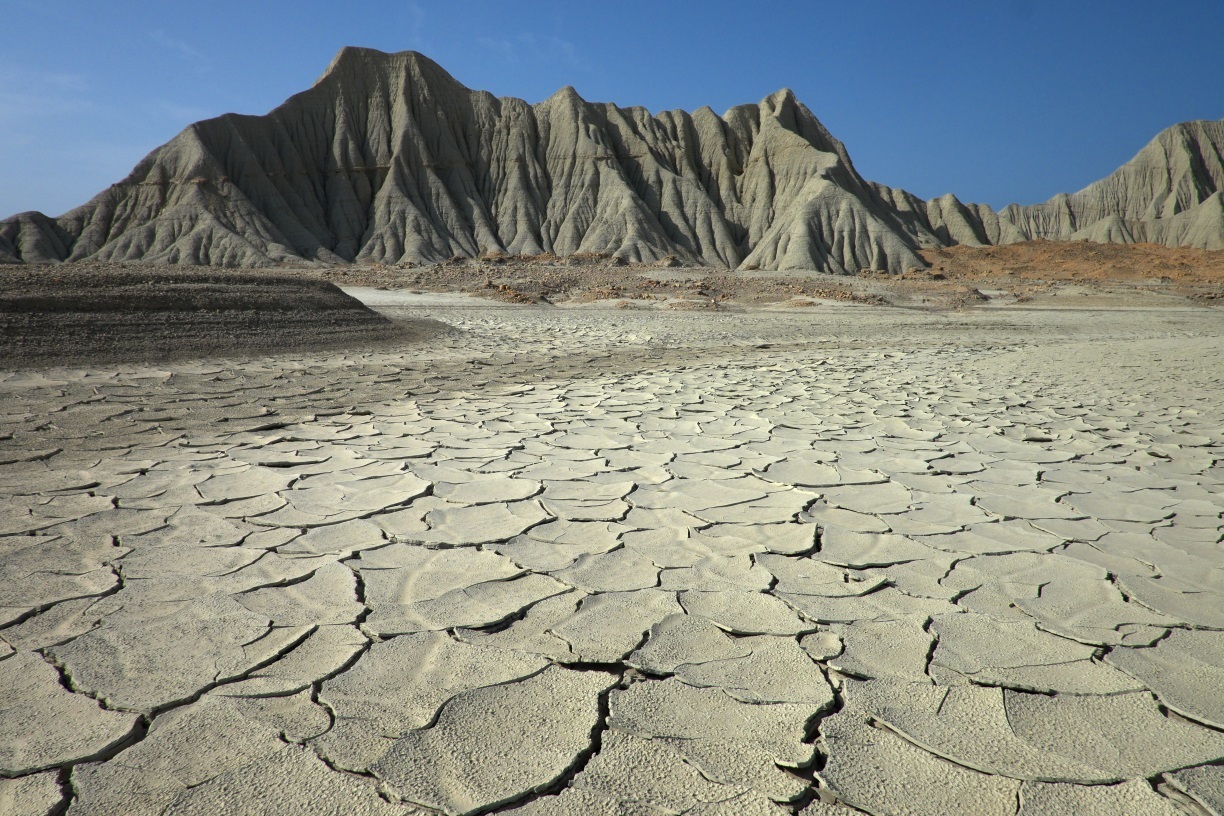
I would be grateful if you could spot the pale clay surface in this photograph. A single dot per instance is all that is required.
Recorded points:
(607, 562)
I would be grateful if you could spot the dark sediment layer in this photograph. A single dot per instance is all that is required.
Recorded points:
(84, 315)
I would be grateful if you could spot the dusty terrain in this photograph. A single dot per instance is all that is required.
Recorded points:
(1074, 274)
(43, 306)
(607, 561)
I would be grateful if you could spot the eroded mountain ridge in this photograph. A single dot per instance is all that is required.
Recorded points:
(387, 158)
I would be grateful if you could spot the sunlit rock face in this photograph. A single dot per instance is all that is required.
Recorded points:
(388, 158)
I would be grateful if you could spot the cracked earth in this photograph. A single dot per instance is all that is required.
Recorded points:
(606, 562)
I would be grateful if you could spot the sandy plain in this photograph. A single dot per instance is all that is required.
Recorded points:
(615, 561)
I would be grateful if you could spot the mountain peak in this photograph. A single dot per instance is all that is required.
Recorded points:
(569, 92)
(360, 61)
(781, 96)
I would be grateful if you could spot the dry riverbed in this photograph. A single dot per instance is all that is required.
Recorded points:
(601, 561)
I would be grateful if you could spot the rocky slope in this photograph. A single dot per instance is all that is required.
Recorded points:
(388, 159)
(1170, 193)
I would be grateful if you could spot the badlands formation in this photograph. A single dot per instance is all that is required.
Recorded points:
(389, 159)
(284, 551)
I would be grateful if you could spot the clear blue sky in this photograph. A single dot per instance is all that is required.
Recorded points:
(994, 100)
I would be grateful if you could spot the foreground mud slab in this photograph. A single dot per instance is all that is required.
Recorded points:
(603, 562)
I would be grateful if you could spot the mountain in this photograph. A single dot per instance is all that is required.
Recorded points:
(388, 158)
(1170, 193)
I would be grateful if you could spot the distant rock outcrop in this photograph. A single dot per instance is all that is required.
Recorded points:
(1168, 194)
(388, 158)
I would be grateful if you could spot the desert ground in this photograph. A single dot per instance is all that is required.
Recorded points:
(679, 554)
(1030, 274)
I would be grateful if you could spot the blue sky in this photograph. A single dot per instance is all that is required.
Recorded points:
(994, 100)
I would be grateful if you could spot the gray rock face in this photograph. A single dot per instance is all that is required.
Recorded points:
(1168, 194)
(388, 158)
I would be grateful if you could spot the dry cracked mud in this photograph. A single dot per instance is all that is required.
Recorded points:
(605, 562)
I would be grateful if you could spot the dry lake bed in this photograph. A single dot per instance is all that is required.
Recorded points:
(596, 561)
